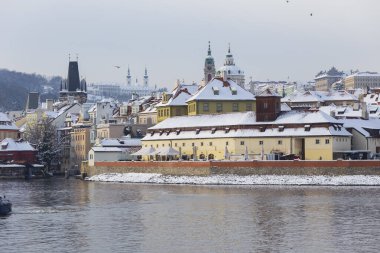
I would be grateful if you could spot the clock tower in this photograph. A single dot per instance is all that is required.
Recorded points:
(209, 70)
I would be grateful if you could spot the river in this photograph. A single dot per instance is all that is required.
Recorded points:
(59, 215)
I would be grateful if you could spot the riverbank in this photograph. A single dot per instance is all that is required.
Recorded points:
(239, 168)
(356, 180)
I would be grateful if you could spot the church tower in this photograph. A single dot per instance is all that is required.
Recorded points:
(146, 78)
(129, 78)
(229, 61)
(209, 69)
(73, 86)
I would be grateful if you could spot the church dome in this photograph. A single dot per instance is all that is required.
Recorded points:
(230, 70)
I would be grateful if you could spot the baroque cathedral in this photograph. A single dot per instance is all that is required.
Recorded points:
(228, 71)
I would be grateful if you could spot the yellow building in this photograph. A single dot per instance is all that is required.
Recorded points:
(80, 144)
(174, 104)
(310, 135)
(221, 96)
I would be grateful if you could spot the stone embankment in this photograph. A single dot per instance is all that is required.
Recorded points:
(207, 168)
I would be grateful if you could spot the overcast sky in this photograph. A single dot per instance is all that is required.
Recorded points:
(270, 39)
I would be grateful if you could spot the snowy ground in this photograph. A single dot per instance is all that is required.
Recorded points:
(237, 180)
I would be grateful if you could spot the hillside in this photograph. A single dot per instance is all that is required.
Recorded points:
(16, 85)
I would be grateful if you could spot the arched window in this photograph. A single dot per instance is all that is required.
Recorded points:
(211, 156)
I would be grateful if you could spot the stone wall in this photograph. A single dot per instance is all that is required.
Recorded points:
(339, 167)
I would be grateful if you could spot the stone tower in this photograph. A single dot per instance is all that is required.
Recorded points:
(209, 69)
(146, 78)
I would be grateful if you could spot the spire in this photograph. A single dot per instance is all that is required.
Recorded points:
(129, 72)
(229, 58)
(209, 49)
(146, 78)
(146, 71)
(61, 86)
(229, 48)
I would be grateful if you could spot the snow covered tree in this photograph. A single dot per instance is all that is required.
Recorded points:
(42, 135)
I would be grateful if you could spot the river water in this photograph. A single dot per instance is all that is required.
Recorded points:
(58, 215)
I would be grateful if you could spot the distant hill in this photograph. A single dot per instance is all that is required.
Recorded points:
(15, 86)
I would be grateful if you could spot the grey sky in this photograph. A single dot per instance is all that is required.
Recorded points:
(270, 39)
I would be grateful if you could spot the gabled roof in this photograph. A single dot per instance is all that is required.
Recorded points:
(224, 93)
(9, 144)
(181, 93)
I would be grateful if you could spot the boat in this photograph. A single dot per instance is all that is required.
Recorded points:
(5, 206)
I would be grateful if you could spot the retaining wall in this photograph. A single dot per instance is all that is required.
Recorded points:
(339, 167)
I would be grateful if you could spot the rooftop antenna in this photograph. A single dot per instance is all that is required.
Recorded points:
(69, 57)
(77, 56)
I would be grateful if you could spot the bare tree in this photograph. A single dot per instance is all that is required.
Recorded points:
(42, 135)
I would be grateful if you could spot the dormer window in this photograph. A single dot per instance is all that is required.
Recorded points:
(262, 129)
(161, 132)
(178, 131)
(213, 130)
(168, 132)
(307, 128)
(233, 91)
(197, 130)
(215, 90)
(281, 128)
(152, 133)
(227, 130)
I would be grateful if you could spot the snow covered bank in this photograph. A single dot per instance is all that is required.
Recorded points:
(237, 180)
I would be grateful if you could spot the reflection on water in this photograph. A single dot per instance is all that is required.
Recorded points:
(61, 215)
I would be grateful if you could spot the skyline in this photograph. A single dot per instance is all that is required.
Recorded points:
(269, 39)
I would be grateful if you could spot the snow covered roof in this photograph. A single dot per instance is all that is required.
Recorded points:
(9, 144)
(181, 93)
(107, 149)
(120, 142)
(361, 125)
(217, 89)
(365, 74)
(231, 70)
(243, 118)
(6, 123)
(319, 96)
(240, 133)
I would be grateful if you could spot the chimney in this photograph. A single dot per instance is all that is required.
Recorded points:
(49, 104)
(365, 114)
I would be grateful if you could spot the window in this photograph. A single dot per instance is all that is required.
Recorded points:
(281, 128)
(327, 141)
(178, 131)
(262, 129)
(201, 143)
(192, 144)
(175, 144)
(210, 143)
(248, 107)
(219, 107)
(279, 142)
(226, 143)
(227, 130)
(183, 144)
(235, 107)
(197, 130)
(205, 107)
(242, 143)
(317, 141)
(265, 105)
(213, 130)
(307, 128)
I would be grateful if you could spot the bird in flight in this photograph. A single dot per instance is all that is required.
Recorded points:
(117, 67)
(311, 14)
